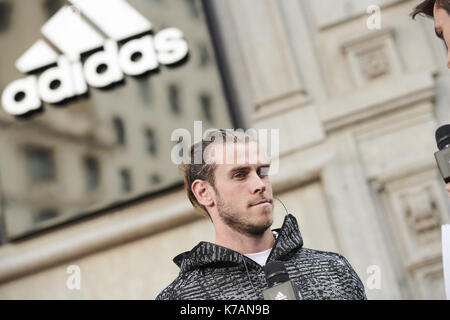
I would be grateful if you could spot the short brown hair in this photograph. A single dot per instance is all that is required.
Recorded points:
(203, 170)
(426, 7)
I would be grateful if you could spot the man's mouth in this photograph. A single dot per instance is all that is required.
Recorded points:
(261, 202)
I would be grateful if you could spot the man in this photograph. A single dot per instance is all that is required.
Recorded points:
(439, 10)
(236, 194)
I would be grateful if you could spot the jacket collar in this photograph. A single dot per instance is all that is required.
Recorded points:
(208, 254)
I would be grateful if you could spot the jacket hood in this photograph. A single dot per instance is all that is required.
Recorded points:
(207, 254)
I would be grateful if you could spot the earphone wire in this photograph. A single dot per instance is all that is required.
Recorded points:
(287, 212)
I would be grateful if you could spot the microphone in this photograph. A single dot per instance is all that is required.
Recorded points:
(280, 286)
(443, 155)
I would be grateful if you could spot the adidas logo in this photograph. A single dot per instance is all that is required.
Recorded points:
(76, 30)
(280, 296)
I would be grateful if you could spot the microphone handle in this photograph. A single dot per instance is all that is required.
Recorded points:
(283, 291)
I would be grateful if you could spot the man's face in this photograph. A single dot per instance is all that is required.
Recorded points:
(442, 28)
(243, 190)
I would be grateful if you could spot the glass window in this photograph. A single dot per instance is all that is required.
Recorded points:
(2, 227)
(144, 91)
(204, 55)
(205, 102)
(174, 98)
(125, 179)
(119, 130)
(151, 142)
(5, 15)
(40, 164)
(155, 179)
(89, 132)
(192, 7)
(45, 214)
(92, 173)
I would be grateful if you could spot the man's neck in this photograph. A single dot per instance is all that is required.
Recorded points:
(245, 243)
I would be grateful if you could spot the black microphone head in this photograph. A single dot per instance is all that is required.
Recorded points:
(275, 273)
(443, 136)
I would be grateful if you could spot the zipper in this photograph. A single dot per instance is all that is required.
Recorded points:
(274, 244)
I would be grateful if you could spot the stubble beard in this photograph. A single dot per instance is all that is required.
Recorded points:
(235, 221)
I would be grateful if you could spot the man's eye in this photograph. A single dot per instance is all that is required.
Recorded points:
(239, 175)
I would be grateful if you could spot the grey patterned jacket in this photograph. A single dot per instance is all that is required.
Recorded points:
(210, 271)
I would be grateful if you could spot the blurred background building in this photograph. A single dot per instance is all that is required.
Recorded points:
(90, 182)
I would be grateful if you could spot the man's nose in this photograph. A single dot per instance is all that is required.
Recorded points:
(258, 185)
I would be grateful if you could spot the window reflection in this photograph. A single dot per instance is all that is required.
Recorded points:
(125, 179)
(2, 225)
(45, 214)
(155, 179)
(92, 173)
(203, 55)
(180, 145)
(192, 7)
(174, 98)
(144, 91)
(5, 15)
(151, 142)
(119, 129)
(72, 152)
(40, 164)
(205, 102)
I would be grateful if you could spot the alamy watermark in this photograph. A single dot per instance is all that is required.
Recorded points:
(373, 22)
(373, 281)
(267, 145)
(73, 282)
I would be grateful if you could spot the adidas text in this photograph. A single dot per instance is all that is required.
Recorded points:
(101, 69)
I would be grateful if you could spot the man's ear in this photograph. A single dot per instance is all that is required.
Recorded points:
(203, 192)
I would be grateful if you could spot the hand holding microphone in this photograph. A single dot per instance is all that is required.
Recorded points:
(443, 155)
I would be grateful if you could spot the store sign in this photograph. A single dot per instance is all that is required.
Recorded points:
(71, 31)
